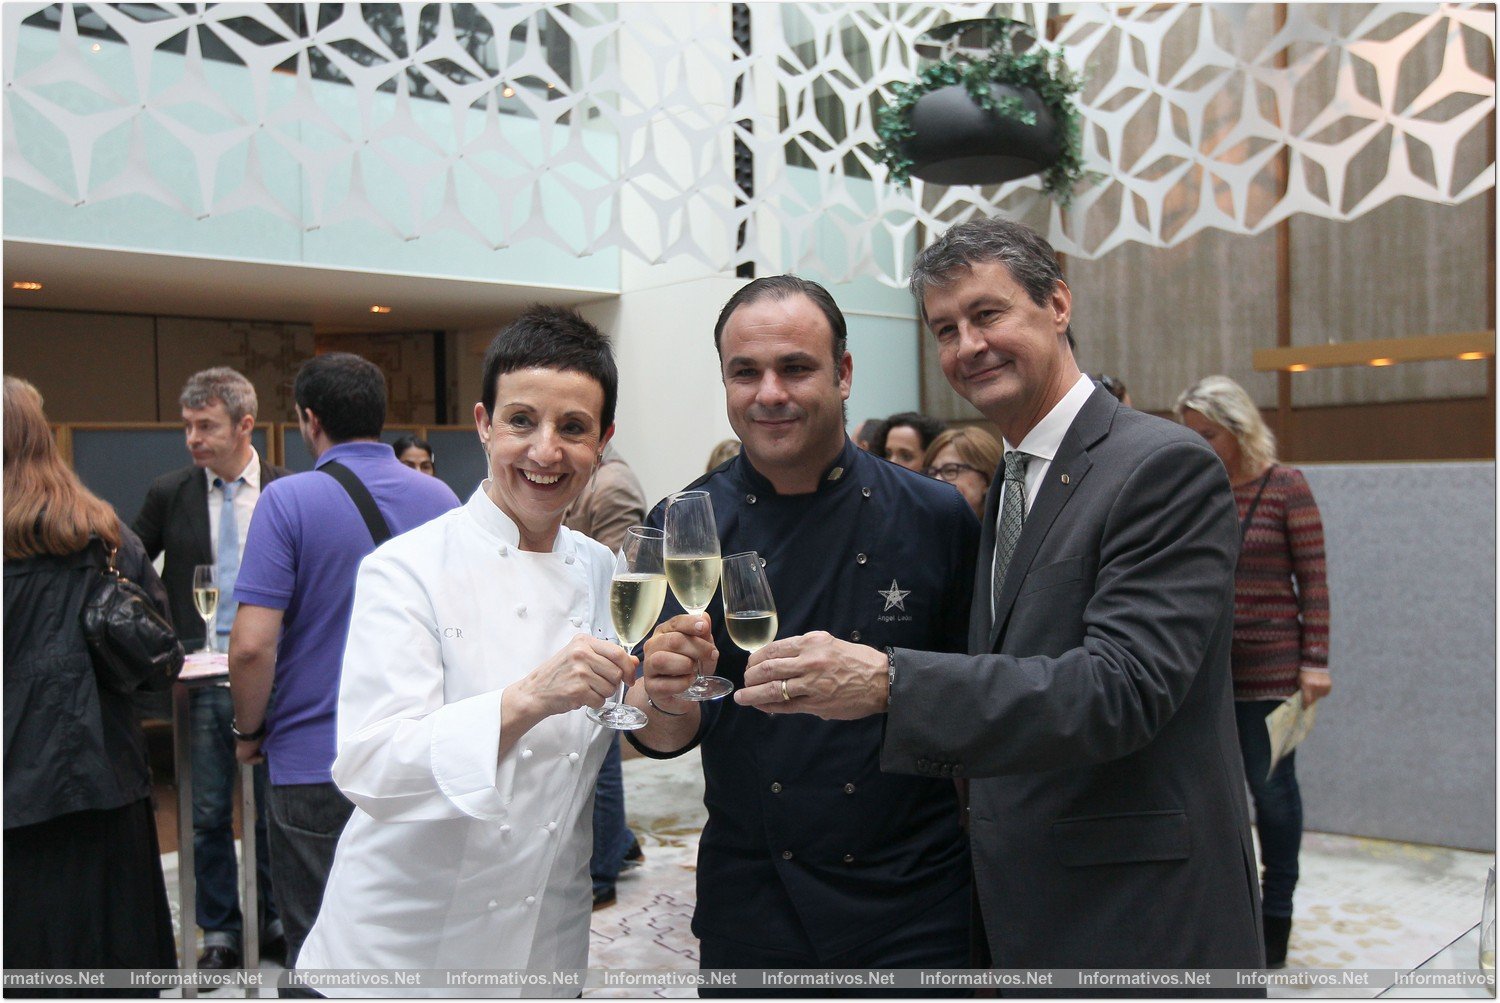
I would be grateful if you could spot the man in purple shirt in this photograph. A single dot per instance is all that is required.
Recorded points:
(295, 591)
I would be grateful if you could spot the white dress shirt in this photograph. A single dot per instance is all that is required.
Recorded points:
(456, 856)
(244, 503)
(1042, 443)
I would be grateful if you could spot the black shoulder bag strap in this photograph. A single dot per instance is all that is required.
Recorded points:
(1245, 525)
(368, 510)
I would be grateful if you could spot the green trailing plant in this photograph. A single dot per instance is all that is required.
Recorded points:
(1039, 68)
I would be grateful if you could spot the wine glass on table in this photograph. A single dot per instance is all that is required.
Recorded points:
(693, 571)
(206, 598)
(636, 592)
(749, 610)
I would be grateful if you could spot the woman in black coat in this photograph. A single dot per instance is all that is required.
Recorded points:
(83, 878)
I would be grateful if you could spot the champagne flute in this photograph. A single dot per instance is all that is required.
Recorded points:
(749, 610)
(206, 598)
(636, 593)
(693, 571)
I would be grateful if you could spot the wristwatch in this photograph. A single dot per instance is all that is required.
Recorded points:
(247, 736)
(890, 657)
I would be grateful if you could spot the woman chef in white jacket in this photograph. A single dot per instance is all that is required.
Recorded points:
(475, 642)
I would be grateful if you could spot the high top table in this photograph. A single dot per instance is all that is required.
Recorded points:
(201, 670)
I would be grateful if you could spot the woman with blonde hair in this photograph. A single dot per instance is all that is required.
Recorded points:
(83, 879)
(966, 458)
(1280, 622)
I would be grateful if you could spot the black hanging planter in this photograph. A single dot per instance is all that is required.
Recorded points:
(957, 142)
(991, 106)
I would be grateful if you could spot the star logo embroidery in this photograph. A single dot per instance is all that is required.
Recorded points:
(895, 596)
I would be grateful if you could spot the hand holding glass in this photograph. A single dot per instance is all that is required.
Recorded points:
(693, 571)
(749, 610)
(206, 598)
(636, 593)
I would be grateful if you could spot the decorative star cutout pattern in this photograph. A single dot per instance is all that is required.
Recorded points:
(895, 597)
(597, 128)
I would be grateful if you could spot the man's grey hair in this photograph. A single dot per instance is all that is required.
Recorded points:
(222, 384)
(1028, 257)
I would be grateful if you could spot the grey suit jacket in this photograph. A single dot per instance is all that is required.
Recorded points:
(174, 519)
(1094, 715)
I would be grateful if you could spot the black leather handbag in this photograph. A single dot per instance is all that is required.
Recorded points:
(132, 645)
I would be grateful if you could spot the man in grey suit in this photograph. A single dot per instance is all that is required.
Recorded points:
(1093, 716)
(183, 517)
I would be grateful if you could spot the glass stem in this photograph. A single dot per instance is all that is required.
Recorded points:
(208, 636)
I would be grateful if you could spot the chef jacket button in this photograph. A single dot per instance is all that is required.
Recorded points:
(572, 757)
(786, 854)
(865, 492)
(775, 788)
(854, 636)
(577, 621)
(568, 559)
(521, 610)
(848, 858)
(860, 558)
(525, 753)
(750, 499)
(493, 904)
(504, 550)
(531, 900)
(551, 826)
(504, 829)
(848, 788)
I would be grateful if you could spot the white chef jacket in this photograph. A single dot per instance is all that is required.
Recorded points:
(456, 856)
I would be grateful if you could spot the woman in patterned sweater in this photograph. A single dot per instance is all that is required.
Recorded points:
(1280, 622)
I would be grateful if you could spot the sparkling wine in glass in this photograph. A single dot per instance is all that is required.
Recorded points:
(636, 593)
(749, 610)
(693, 570)
(206, 598)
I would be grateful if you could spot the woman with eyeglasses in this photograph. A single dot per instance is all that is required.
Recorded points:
(965, 458)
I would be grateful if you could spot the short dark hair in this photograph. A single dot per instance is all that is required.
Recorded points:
(404, 443)
(784, 287)
(550, 337)
(346, 392)
(1025, 253)
(926, 428)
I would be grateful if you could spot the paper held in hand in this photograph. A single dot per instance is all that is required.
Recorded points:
(1288, 725)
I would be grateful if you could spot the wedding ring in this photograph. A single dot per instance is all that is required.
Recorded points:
(784, 694)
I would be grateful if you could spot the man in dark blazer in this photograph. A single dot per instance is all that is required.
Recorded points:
(1093, 718)
(182, 517)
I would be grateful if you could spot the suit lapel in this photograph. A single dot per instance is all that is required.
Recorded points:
(1066, 473)
(195, 504)
(979, 611)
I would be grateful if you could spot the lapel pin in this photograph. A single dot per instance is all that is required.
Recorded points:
(1065, 478)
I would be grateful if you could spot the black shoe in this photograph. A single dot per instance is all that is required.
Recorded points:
(1278, 930)
(633, 856)
(604, 897)
(216, 957)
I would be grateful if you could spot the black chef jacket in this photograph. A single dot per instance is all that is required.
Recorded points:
(807, 841)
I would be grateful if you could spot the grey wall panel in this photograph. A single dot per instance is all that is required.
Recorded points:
(119, 464)
(1404, 748)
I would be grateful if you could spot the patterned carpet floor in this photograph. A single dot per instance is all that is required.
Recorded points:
(1361, 903)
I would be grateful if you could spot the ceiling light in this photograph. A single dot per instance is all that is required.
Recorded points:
(30, 286)
(509, 92)
(1376, 352)
(95, 47)
(380, 309)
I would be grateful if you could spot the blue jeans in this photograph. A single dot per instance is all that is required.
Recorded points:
(211, 747)
(612, 837)
(306, 822)
(1278, 806)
